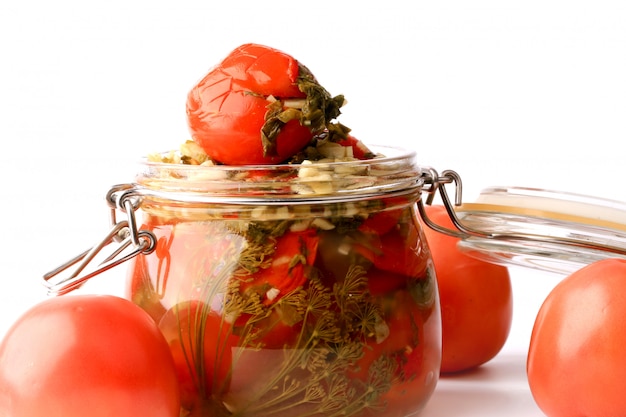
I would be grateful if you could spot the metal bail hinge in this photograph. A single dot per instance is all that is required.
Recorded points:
(129, 242)
(433, 183)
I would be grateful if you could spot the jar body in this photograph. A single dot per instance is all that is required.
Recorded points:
(293, 309)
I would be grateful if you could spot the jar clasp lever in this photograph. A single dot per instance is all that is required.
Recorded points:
(129, 239)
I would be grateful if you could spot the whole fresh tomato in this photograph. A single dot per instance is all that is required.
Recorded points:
(576, 361)
(476, 300)
(259, 106)
(86, 355)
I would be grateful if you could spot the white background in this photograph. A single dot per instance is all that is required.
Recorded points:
(528, 93)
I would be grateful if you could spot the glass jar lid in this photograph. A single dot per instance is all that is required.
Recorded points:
(544, 229)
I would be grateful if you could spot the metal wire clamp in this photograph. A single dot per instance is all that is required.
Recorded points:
(435, 183)
(127, 239)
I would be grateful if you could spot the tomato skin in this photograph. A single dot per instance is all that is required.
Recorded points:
(226, 109)
(415, 360)
(476, 300)
(576, 364)
(287, 271)
(397, 251)
(80, 355)
(382, 222)
(263, 70)
(223, 129)
(404, 340)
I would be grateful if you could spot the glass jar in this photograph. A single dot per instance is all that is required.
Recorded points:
(289, 290)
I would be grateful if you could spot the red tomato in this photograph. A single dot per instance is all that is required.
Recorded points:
(397, 251)
(381, 222)
(576, 362)
(476, 300)
(404, 342)
(87, 355)
(385, 282)
(233, 112)
(408, 344)
(294, 253)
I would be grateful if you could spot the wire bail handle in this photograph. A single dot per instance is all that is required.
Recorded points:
(128, 239)
(433, 183)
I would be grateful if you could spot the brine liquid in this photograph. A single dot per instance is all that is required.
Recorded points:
(329, 317)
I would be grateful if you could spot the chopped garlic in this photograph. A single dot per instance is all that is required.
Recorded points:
(322, 223)
(381, 328)
(272, 293)
(300, 226)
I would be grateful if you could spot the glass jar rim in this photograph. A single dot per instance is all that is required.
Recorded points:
(392, 172)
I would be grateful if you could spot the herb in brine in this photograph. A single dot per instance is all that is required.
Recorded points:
(292, 320)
